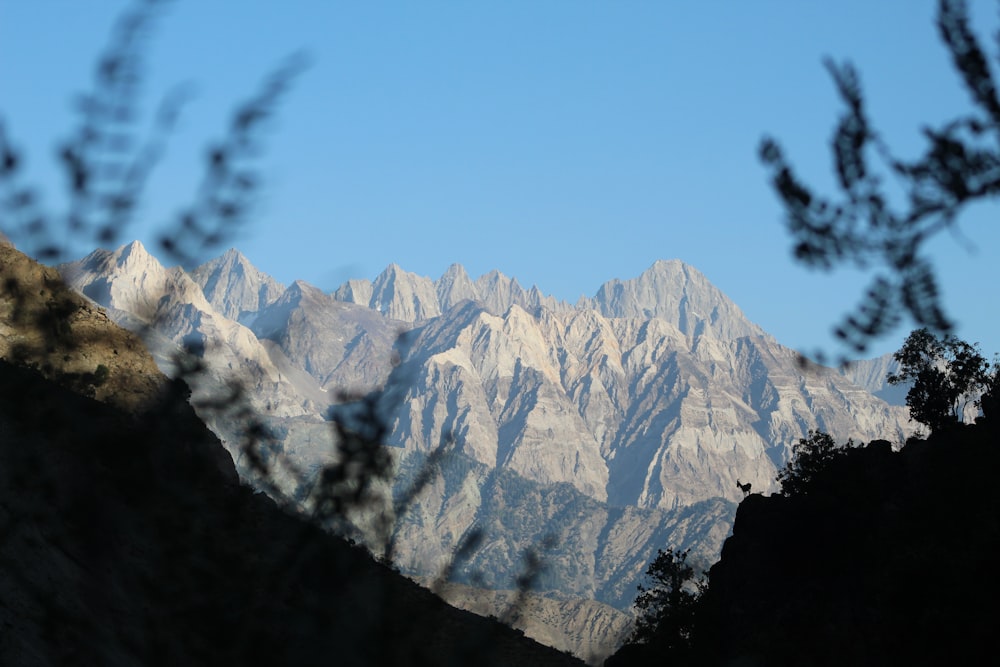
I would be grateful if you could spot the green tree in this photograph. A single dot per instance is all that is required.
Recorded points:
(101, 374)
(866, 224)
(947, 375)
(667, 608)
(810, 456)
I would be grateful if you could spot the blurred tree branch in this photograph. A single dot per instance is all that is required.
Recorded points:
(860, 225)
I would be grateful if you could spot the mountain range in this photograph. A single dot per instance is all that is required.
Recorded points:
(598, 431)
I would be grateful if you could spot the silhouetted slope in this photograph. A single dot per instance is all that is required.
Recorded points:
(123, 542)
(888, 559)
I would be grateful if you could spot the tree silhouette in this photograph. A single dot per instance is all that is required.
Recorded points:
(668, 606)
(810, 457)
(861, 226)
(947, 375)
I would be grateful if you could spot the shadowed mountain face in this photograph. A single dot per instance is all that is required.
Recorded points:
(617, 426)
(127, 539)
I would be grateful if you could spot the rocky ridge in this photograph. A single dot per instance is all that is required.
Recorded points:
(408, 297)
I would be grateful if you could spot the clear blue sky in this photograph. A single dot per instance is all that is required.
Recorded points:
(564, 142)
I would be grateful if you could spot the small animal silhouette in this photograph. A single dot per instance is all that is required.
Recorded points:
(745, 488)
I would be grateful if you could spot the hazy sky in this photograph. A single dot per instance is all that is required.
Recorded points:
(563, 142)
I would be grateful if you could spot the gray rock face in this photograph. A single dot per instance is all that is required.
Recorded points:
(454, 287)
(591, 550)
(405, 296)
(357, 291)
(397, 294)
(679, 294)
(235, 287)
(617, 426)
(342, 346)
(871, 375)
(408, 297)
(493, 383)
(497, 293)
(627, 410)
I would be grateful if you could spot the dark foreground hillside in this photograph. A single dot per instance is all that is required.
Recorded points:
(126, 538)
(888, 558)
(125, 543)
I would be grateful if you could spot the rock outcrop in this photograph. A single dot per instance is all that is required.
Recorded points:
(51, 328)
